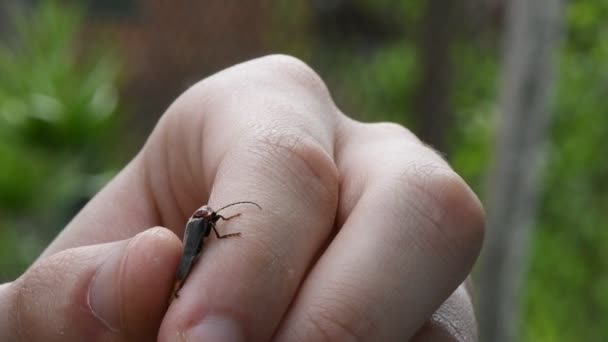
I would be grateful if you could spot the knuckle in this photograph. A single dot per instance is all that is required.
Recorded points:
(444, 200)
(293, 69)
(277, 72)
(285, 61)
(304, 159)
(462, 210)
(269, 84)
(391, 130)
(248, 79)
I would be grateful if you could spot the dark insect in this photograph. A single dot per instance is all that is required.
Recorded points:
(199, 227)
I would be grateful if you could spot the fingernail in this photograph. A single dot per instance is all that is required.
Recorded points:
(103, 291)
(216, 328)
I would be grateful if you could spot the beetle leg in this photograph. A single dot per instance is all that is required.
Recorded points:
(225, 235)
(225, 219)
(229, 217)
(178, 286)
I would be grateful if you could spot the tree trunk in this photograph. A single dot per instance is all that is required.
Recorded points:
(432, 103)
(533, 32)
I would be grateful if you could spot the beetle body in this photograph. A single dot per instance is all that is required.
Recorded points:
(197, 230)
(199, 227)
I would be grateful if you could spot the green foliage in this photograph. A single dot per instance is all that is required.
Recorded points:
(475, 105)
(379, 86)
(568, 284)
(51, 96)
(58, 105)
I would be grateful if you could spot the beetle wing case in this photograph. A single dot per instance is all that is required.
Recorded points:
(193, 241)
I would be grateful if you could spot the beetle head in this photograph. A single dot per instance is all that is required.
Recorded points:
(204, 212)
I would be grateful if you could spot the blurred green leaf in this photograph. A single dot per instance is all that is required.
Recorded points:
(58, 106)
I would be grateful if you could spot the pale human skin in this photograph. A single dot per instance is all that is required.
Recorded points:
(366, 234)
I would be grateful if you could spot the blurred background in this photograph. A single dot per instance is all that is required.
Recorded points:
(513, 93)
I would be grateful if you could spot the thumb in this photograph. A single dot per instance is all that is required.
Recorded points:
(117, 291)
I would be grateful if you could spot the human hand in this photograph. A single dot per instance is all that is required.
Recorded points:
(364, 231)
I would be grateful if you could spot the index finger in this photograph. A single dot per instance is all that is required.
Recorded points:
(283, 160)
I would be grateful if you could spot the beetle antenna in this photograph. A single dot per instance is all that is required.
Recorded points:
(235, 203)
